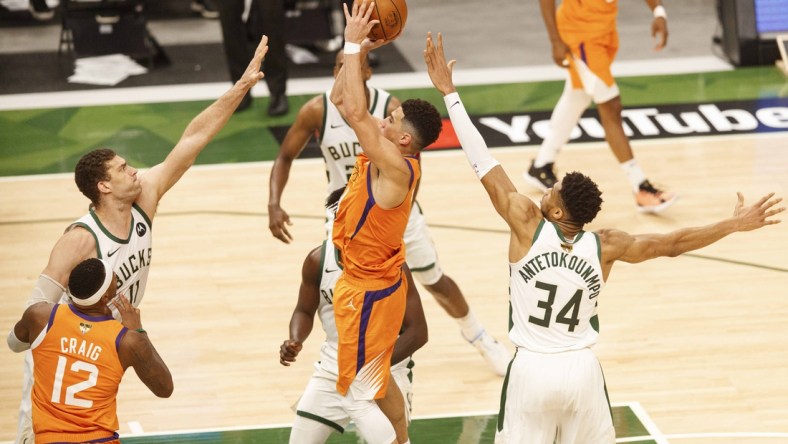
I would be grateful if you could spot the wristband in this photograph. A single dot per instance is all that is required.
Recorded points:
(352, 48)
(659, 11)
(141, 330)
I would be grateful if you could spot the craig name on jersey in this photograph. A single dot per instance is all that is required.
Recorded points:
(79, 346)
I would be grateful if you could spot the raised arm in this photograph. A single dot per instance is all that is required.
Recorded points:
(414, 325)
(303, 318)
(520, 213)
(618, 245)
(307, 122)
(74, 246)
(160, 178)
(353, 105)
(136, 350)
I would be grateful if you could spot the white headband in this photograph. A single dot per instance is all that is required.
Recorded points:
(95, 297)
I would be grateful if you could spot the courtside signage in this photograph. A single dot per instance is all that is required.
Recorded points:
(642, 122)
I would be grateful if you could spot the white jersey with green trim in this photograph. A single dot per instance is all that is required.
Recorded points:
(554, 290)
(129, 257)
(329, 274)
(339, 143)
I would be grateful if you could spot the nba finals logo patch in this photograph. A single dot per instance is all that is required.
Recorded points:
(84, 328)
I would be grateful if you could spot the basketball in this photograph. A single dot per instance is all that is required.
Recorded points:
(392, 15)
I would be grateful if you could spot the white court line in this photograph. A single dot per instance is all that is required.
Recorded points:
(707, 435)
(572, 146)
(135, 427)
(211, 91)
(648, 423)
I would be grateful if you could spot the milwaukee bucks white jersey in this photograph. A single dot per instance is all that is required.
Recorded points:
(329, 274)
(129, 257)
(553, 292)
(339, 143)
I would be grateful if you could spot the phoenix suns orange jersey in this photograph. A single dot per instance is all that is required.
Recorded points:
(588, 17)
(77, 373)
(367, 237)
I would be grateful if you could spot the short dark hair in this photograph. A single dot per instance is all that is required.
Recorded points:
(86, 278)
(425, 120)
(581, 197)
(333, 197)
(92, 169)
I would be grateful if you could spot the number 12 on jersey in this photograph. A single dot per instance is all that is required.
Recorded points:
(72, 390)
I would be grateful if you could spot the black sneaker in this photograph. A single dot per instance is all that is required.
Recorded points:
(278, 105)
(40, 10)
(542, 177)
(206, 8)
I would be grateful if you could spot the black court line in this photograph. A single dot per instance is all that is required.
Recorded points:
(444, 226)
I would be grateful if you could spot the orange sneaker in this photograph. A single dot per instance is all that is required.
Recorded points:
(652, 200)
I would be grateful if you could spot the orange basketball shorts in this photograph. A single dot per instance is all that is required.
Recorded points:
(597, 52)
(368, 323)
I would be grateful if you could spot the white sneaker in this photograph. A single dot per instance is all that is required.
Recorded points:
(496, 355)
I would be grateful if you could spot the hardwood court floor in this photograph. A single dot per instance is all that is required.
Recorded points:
(698, 340)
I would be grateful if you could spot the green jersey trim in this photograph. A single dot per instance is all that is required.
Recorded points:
(107, 233)
(95, 238)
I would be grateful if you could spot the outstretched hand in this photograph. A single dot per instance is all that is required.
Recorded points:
(253, 74)
(758, 214)
(440, 72)
(288, 351)
(358, 25)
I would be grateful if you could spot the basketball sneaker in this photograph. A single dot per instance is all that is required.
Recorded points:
(40, 10)
(493, 352)
(206, 8)
(542, 177)
(653, 200)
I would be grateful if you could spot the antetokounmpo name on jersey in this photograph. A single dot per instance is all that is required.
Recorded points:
(563, 260)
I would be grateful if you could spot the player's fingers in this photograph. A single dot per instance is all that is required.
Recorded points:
(771, 213)
(368, 12)
(262, 48)
(451, 64)
(772, 203)
(347, 13)
(764, 199)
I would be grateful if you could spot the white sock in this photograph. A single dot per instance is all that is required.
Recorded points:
(634, 173)
(470, 326)
(565, 116)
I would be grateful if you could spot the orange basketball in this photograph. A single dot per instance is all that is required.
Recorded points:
(392, 15)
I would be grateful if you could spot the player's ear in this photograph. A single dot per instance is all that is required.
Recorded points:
(103, 186)
(405, 139)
